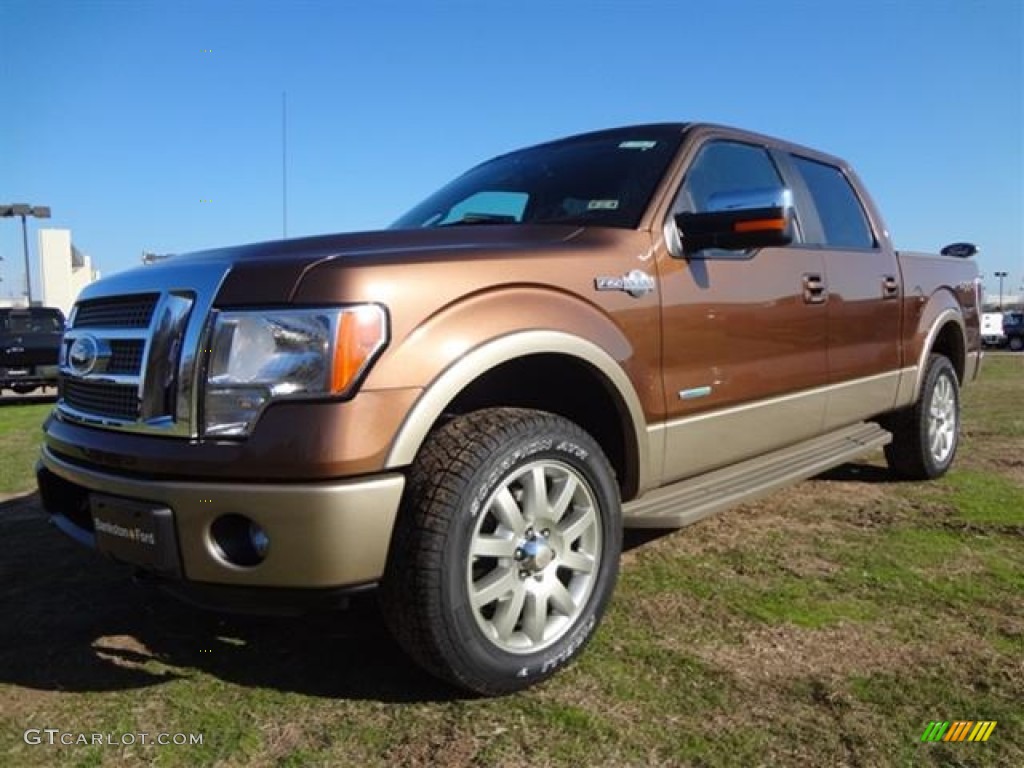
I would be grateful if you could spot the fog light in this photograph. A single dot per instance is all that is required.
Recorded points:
(239, 540)
(259, 539)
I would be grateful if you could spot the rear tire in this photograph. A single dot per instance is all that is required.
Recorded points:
(506, 549)
(925, 436)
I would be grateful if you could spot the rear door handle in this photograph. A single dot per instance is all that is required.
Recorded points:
(890, 287)
(815, 290)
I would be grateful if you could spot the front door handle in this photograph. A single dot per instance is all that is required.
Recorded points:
(815, 290)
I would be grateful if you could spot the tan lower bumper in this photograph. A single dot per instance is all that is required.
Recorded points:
(321, 534)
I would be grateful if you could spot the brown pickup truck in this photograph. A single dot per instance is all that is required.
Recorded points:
(633, 327)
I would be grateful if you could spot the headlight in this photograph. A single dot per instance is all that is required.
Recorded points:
(264, 355)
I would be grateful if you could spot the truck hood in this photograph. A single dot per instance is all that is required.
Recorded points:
(268, 273)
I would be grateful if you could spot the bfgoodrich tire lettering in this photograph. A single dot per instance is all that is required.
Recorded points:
(506, 549)
(925, 436)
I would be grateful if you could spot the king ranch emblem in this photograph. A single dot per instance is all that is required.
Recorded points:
(636, 283)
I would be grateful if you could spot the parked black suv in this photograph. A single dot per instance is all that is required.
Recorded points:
(1013, 329)
(29, 346)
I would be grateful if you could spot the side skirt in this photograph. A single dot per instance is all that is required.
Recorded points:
(689, 500)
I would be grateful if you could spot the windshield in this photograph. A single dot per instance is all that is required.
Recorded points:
(32, 321)
(603, 179)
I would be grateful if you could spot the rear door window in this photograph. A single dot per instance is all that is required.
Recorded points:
(843, 221)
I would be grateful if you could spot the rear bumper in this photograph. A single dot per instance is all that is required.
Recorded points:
(321, 535)
(35, 375)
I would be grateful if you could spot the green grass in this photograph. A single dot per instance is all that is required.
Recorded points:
(824, 625)
(985, 498)
(20, 436)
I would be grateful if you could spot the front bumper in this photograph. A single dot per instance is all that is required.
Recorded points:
(321, 535)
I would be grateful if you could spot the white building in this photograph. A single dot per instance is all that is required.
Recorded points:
(65, 269)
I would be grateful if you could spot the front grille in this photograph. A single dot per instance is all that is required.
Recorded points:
(116, 401)
(121, 359)
(126, 356)
(116, 312)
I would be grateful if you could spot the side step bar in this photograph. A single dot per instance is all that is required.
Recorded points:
(688, 501)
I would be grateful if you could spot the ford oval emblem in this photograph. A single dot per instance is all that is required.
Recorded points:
(83, 355)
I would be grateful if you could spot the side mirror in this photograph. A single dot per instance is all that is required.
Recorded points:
(754, 218)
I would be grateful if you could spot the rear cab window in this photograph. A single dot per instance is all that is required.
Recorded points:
(844, 224)
(35, 320)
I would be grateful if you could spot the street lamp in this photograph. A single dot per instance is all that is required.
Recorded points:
(1000, 275)
(23, 210)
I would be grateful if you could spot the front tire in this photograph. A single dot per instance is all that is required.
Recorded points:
(1017, 343)
(506, 549)
(925, 437)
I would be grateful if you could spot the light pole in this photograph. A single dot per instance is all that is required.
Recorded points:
(24, 210)
(1000, 275)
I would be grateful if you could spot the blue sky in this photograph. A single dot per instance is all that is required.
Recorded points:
(157, 125)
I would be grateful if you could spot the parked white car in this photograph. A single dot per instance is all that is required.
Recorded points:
(992, 329)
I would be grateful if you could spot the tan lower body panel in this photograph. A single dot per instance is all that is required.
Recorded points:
(720, 438)
(850, 402)
(321, 534)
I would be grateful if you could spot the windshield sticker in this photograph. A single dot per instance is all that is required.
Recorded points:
(602, 205)
(638, 145)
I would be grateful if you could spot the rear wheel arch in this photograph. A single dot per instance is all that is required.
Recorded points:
(946, 335)
(952, 345)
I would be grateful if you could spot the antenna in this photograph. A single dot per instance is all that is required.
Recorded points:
(284, 163)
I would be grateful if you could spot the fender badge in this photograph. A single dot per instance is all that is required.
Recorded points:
(636, 283)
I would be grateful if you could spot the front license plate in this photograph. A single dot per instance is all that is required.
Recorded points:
(135, 532)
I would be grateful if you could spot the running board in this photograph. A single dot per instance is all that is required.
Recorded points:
(688, 501)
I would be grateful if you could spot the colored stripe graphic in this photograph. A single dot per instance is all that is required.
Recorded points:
(935, 730)
(958, 730)
(983, 731)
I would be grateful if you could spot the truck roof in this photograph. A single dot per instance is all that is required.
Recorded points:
(675, 129)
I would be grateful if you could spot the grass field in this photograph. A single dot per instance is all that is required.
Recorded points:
(20, 433)
(824, 626)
